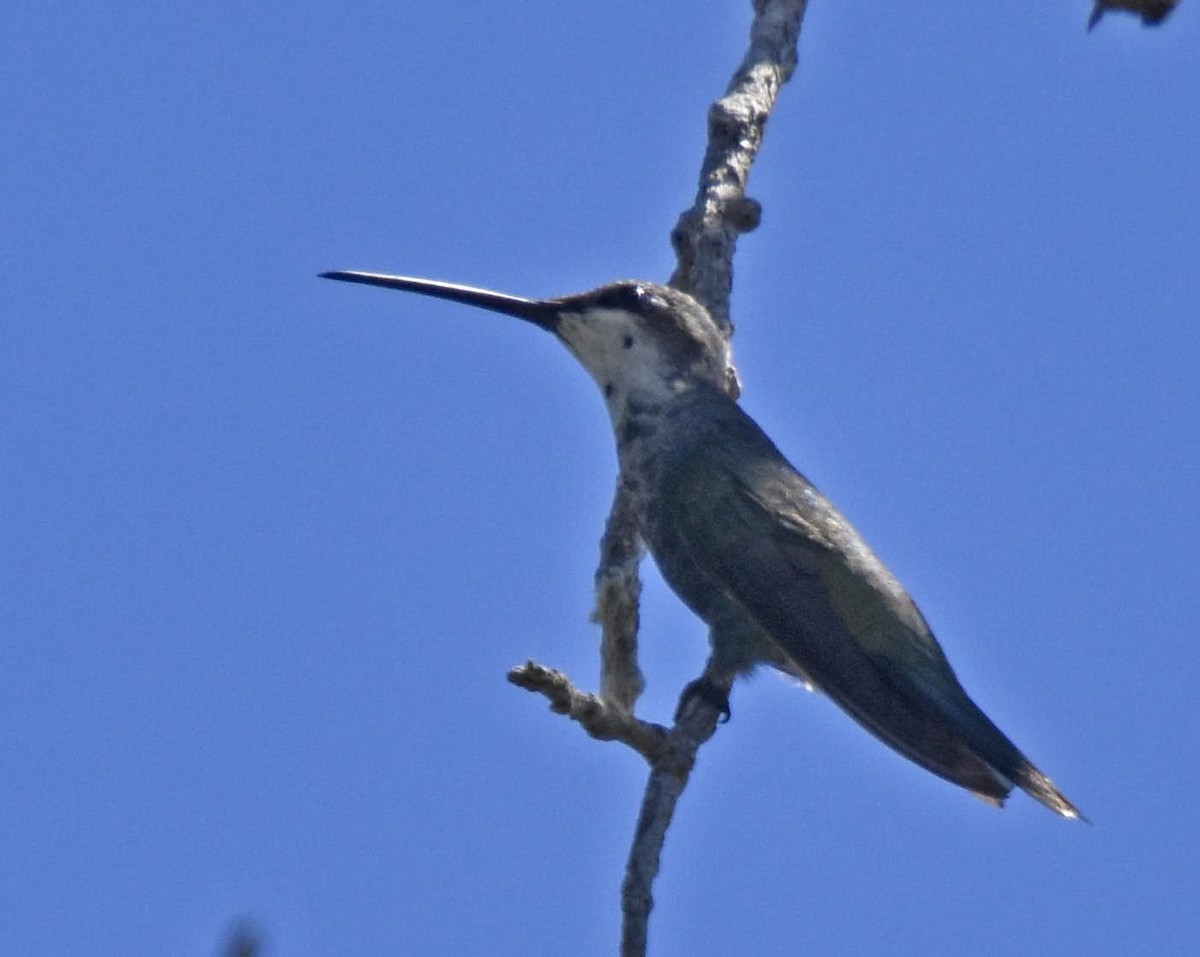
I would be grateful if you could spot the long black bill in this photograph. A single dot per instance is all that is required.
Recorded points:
(531, 310)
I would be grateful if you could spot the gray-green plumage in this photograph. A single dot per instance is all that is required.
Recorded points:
(731, 520)
(750, 545)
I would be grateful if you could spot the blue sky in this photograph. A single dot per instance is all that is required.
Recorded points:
(269, 544)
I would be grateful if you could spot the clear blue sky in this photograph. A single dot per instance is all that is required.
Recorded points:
(269, 544)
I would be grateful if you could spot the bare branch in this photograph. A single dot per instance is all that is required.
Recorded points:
(599, 718)
(695, 722)
(618, 589)
(706, 234)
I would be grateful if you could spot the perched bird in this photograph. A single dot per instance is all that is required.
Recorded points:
(748, 543)
(1152, 12)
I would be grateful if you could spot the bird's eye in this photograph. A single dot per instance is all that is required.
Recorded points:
(627, 342)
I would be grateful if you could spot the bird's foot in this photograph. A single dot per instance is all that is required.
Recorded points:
(708, 691)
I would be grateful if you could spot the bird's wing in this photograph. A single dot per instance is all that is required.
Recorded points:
(754, 529)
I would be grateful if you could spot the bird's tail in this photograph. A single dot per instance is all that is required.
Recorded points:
(1041, 788)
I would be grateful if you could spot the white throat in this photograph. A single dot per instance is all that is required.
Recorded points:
(622, 357)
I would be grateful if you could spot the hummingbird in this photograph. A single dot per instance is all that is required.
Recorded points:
(780, 577)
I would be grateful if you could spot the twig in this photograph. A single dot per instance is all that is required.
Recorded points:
(671, 754)
(599, 718)
(695, 723)
(618, 589)
(705, 236)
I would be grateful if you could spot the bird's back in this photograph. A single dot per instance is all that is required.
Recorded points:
(781, 577)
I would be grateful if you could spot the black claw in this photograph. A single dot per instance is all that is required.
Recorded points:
(709, 692)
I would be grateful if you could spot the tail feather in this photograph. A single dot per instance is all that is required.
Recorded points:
(1042, 789)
